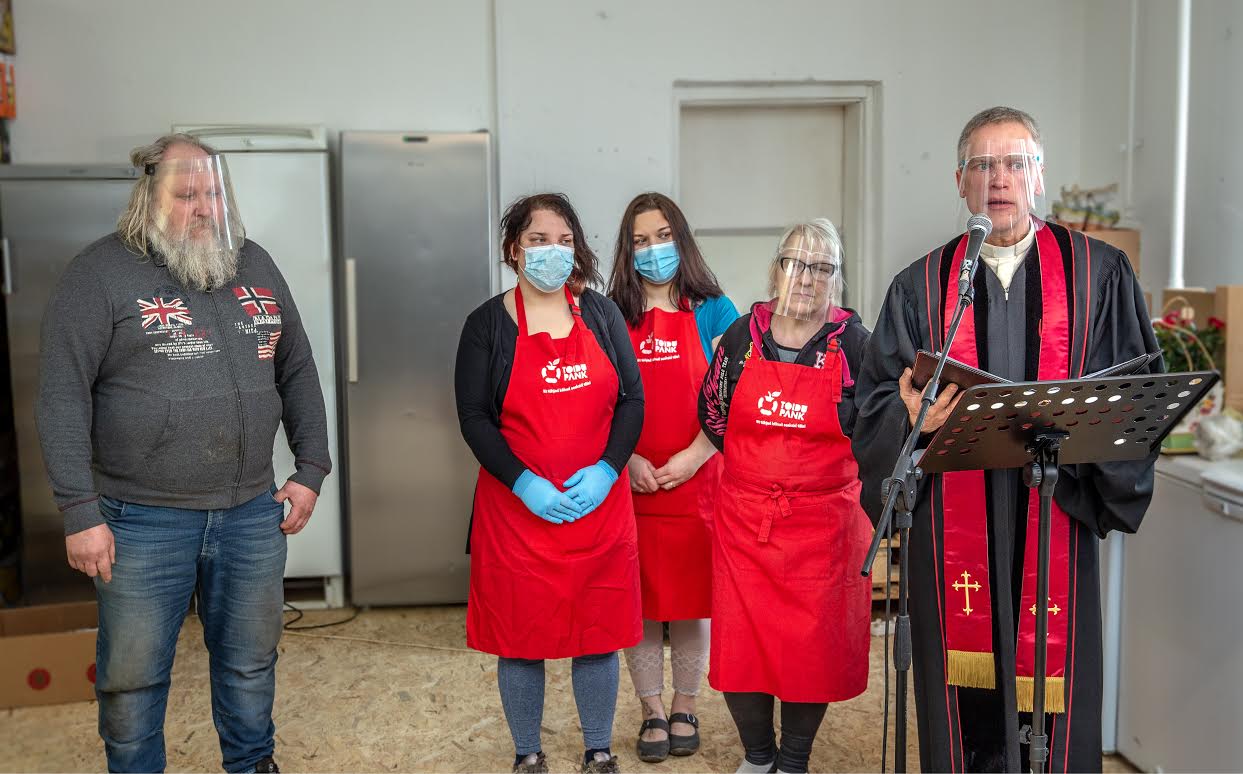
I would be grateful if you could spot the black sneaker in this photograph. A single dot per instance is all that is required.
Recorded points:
(267, 766)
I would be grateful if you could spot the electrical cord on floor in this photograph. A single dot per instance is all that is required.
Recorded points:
(289, 625)
(300, 631)
(398, 643)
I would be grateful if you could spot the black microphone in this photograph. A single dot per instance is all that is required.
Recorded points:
(978, 228)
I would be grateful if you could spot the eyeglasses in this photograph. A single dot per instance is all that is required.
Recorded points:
(1014, 163)
(793, 267)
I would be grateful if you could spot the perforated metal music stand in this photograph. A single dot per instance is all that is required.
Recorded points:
(1038, 426)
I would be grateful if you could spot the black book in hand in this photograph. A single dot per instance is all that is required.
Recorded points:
(966, 377)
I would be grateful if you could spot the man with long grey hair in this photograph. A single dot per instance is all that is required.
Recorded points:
(172, 350)
(1050, 303)
(147, 228)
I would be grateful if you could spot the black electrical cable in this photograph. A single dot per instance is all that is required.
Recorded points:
(289, 625)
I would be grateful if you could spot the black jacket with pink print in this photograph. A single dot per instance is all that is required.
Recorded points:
(737, 344)
(154, 394)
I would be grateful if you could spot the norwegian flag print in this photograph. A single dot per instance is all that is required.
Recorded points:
(158, 311)
(267, 349)
(257, 300)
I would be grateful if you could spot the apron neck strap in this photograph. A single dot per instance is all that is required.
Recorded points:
(521, 308)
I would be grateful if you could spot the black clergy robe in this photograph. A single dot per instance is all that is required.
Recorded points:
(974, 729)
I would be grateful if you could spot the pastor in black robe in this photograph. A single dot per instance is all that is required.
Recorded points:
(972, 729)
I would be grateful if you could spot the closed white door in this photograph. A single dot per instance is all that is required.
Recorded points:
(748, 171)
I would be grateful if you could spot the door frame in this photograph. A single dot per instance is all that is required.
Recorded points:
(861, 222)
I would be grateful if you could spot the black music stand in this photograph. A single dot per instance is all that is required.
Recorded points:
(1038, 426)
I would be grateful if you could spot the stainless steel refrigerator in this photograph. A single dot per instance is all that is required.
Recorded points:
(47, 215)
(417, 221)
(281, 177)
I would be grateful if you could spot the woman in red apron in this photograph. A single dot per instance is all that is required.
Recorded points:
(675, 311)
(790, 611)
(551, 403)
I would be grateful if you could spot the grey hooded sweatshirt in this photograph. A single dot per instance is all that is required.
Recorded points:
(154, 394)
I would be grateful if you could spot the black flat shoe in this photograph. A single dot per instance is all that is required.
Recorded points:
(684, 745)
(538, 766)
(653, 752)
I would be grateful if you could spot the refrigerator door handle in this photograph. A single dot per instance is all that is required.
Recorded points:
(351, 323)
(6, 285)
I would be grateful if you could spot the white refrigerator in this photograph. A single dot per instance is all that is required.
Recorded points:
(281, 181)
(1181, 679)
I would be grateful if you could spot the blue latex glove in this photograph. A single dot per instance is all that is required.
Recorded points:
(545, 500)
(589, 486)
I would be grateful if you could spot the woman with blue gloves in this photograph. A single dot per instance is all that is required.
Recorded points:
(675, 311)
(550, 401)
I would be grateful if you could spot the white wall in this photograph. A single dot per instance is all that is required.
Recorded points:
(94, 79)
(1214, 252)
(1104, 96)
(585, 92)
(1214, 225)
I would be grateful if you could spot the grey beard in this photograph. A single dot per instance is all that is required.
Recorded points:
(200, 267)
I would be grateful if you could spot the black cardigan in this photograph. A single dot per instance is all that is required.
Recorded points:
(485, 356)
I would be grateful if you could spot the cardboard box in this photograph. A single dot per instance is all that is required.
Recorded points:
(1202, 302)
(1229, 308)
(47, 654)
(1125, 239)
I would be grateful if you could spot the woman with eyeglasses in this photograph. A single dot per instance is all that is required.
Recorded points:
(790, 611)
(676, 312)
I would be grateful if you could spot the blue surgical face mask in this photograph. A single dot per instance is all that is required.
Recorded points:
(657, 263)
(548, 266)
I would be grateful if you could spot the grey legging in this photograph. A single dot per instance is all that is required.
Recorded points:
(595, 692)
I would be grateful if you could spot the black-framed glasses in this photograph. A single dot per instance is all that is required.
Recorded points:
(794, 267)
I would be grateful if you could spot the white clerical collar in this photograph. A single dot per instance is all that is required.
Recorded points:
(1004, 261)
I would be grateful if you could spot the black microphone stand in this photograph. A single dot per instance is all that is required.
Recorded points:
(901, 493)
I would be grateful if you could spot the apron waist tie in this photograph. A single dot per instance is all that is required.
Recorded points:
(777, 495)
(781, 501)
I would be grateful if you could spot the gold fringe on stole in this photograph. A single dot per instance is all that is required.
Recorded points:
(1054, 694)
(971, 669)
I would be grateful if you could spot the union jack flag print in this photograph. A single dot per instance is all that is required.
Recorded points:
(267, 350)
(257, 300)
(157, 311)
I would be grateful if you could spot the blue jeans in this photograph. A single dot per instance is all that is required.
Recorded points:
(233, 560)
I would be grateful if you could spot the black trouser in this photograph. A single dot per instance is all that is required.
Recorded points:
(753, 714)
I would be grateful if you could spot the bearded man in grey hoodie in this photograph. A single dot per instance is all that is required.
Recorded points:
(172, 350)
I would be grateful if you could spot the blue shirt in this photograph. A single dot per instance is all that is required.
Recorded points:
(713, 317)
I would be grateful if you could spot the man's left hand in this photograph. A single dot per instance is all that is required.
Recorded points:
(302, 502)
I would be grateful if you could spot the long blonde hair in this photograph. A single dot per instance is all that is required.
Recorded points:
(134, 223)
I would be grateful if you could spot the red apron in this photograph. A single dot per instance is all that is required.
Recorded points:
(790, 611)
(540, 590)
(675, 546)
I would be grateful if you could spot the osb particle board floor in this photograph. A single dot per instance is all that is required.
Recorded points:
(362, 704)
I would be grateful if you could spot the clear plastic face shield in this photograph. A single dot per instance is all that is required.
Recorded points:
(191, 207)
(1003, 178)
(807, 272)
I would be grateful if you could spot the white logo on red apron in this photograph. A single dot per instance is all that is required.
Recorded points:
(653, 349)
(770, 406)
(575, 376)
